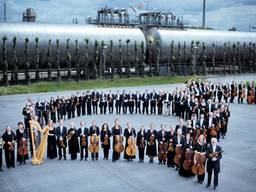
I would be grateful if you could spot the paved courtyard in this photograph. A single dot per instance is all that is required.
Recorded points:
(237, 165)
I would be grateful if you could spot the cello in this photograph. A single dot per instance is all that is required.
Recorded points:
(131, 148)
(119, 148)
(188, 162)
(94, 143)
(178, 154)
(162, 154)
(23, 149)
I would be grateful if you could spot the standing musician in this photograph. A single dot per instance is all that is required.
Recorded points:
(51, 141)
(137, 98)
(125, 101)
(130, 135)
(95, 99)
(178, 140)
(105, 135)
(83, 103)
(110, 99)
(103, 103)
(131, 102)
(141, 143)
(153, 99)
(1, 152)
(116, 131)
(88, 102)
(162, 142)
(233, 91)
(53, 109)
(9, 146)
(199, 158)
(63, 109)
(118, 104)
(78, 104)
(73, 144)
(83, 133)
(145, 102)
(22, 148)
(61, 133)
(160, 100)
(213, 154)
(185, 168)
(171, 147)
(94, 131)
(151, 143)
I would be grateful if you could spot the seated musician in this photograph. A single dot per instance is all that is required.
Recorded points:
(213, 154)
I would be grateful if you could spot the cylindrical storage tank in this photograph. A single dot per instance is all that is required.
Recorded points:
(62, 32)
(209, 37)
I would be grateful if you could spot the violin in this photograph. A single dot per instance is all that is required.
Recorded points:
(131, 148)
(142, 143)
(94, 144)
(119, 148)
(62, 145)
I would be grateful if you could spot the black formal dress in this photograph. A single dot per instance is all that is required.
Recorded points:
(151, 148)
(141, 144)
(171, 148)
(9, 153)
(105, 136)
(115, 132)
(127, 134)
(73, 144)
(202, 149)
(52, 145)
(19, 136)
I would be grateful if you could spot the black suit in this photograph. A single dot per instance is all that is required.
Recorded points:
(1, 151)
(213, 165)
(62, 134)
(83, 133)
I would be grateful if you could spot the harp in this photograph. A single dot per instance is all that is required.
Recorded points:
(38, 153)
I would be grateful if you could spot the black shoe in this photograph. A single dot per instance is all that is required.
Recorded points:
(93, 159)
(96, 159)
(1, 170)
(207, 186)
(214, 188)
(81, 159)
(65, 158)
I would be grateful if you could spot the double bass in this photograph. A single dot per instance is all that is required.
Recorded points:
(94, 144)
(119, 148)
(188, 161)
(131, 148)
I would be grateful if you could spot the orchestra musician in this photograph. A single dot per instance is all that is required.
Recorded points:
(9, 147)
(61, 133)
(141, 143)
(137, 98)
(73, 145)
(213, 154)
(110, 99)
(129, 132)
(118, 103)
(83, 103)
(94, 131)
(103, 103)
(151, 143)
(145, 102)
(116, 131)
(22, 148)
(171, 147)
(105, 135)
(1, 152)
(51, 141)
(83, 133)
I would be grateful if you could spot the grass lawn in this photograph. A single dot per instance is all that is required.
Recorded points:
(91, 84)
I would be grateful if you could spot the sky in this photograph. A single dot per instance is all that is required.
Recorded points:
(220, 14)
